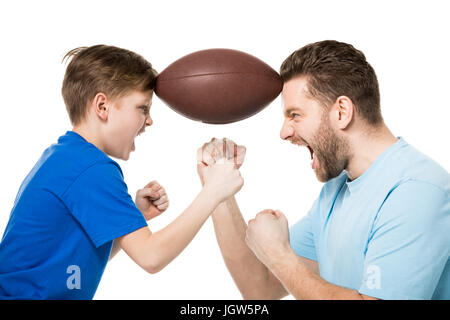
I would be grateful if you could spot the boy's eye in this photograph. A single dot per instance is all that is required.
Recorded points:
(144, 109)
(294, 115)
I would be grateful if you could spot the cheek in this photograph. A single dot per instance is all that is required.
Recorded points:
(303, 132)
(123, 128)
(313, 130)
(131, 124)
(141, 122)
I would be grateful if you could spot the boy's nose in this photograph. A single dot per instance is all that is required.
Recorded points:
(149, 121)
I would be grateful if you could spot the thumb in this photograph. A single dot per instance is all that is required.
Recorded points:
(200, 168)
(148, 192)
(151, 184)
(279, 215)
(239, 155)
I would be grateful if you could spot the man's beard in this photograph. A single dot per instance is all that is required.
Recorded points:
(331, 151)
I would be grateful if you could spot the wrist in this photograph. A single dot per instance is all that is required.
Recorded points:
(226, 206)
(281, 259)
(209, 198)
(212, 194)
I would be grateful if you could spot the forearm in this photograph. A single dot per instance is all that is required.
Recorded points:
(252, 277)
(168, 243)
(303, 283)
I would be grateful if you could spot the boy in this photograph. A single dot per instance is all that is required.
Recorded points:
(73, 210)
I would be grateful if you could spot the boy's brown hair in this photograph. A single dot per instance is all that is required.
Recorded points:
(100, 68)
(334, 69)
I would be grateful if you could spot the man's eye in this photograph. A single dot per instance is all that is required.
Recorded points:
(294, 115)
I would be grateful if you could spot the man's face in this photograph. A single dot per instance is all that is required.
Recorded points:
(306, 123)
(128, 117)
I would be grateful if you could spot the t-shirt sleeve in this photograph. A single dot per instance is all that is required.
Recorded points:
(99, 200)
(409, 244)
(301, 235)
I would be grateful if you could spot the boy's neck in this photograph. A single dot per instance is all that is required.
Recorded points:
(89, 135)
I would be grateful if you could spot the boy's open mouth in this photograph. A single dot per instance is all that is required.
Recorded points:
(133, 147)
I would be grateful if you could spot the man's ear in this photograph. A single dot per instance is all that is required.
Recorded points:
(342, 112)
(100, 105)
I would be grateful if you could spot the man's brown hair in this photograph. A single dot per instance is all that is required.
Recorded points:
(334, 69)
(100, 68)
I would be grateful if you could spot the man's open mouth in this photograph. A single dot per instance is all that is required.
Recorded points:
(311, 151)
(314, 160)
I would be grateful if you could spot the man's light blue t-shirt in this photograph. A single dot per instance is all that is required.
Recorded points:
(385, 234)
(68, 211)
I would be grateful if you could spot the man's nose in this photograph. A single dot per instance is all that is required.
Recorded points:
(286, 131)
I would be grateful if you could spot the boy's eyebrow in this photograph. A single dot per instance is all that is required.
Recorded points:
(144, 104)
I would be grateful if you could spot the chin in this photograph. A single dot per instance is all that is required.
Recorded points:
(327, 176)
(126, 157)
(321, 178)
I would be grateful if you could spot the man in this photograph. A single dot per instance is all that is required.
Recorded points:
(379, 228)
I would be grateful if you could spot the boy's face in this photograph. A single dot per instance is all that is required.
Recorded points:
(127, 118)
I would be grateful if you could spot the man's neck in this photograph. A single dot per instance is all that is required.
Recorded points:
(366, 148)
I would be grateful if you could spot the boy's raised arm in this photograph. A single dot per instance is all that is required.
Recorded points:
(153, 251)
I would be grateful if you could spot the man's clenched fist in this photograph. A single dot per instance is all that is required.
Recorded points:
(268, 236)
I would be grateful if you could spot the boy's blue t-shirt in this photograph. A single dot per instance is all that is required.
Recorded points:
(385, 234)
(68, 211)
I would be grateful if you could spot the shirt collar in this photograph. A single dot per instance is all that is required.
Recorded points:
(354, 185)
(71, 135)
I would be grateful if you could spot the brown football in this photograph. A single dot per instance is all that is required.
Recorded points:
(218, 85)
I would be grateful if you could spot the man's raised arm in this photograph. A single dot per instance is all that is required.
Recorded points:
(253, 279)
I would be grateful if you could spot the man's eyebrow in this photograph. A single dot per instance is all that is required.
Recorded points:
(289, 110)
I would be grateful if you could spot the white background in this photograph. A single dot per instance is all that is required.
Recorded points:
(407, 43)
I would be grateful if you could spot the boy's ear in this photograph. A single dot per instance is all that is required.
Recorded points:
(100, 105)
